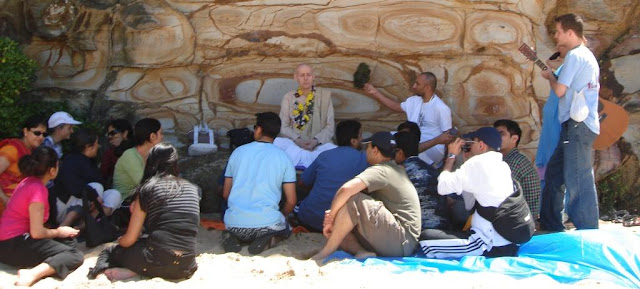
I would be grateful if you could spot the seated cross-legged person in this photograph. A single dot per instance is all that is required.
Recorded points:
(307, 120)
(24, 241)
(377, 212)
(434, 207)
(169, 209)
(130, 166)
(256, 176)
(484, 180)
(77, 171)
(329, 171)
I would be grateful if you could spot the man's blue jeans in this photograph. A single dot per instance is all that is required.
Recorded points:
(571, 166)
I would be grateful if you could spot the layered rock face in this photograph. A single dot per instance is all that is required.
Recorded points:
(220, 62)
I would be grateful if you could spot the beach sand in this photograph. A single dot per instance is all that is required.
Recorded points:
(285, 266)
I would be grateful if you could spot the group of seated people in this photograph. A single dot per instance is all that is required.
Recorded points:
(43, 190)
(386, 195)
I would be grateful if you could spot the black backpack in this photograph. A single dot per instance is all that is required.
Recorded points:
(100, 229)
(512, 219)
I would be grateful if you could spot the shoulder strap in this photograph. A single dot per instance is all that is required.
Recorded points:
(489, 213)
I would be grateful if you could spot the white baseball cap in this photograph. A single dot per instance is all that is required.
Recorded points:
(61, 117)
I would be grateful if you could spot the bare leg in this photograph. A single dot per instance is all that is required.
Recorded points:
(353, 246)
(70, 218)
(115, 274)
(341, 229)
(27, 277)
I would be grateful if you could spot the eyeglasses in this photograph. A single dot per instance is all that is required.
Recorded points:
(39, 133)
(113, 132)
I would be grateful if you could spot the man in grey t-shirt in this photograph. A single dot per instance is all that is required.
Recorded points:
(377, 212)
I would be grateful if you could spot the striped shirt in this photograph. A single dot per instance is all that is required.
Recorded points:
(173, 215)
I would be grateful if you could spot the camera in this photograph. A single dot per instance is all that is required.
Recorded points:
(466, 147)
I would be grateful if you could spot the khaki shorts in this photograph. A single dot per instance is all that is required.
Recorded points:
(377, 229)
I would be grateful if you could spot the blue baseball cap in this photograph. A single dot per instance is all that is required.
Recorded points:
(489, 135)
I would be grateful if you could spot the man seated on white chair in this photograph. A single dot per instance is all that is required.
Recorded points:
(307, 120)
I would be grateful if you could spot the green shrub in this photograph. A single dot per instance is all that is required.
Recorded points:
(16, 75)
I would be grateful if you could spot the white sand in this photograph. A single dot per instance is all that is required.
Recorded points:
(284, 266)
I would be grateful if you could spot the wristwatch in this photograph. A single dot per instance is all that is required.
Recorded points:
(451, 156)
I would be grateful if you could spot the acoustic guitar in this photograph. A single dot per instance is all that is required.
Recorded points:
(613, 118)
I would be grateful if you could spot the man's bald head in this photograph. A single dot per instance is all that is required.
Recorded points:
(304, 67)
(304, 76)
(430, 78)
(425, 85)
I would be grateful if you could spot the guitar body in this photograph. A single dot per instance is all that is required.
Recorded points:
(613, 118)
(613, 123)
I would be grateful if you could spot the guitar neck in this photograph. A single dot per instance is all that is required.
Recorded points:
(541, 64)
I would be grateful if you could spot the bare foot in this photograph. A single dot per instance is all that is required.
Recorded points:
(365, 254)
(319, 257)
(115, 274)
(102, 277)
(26, 278)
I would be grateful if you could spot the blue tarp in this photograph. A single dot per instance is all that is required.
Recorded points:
(607, 255)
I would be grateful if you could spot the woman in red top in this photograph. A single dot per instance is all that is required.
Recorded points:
(33, 133)
(24, 241)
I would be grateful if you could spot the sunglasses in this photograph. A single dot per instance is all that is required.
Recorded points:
(113, 132)
(39, 133)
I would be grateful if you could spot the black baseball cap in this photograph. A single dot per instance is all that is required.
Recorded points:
(383, 141)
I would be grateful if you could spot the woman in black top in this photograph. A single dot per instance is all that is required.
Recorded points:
(168, 207)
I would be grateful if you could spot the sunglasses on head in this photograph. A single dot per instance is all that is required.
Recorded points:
(39, 133)
(113, 132)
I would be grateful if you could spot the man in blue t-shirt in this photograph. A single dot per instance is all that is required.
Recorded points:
(255, 178)
(571, 162)
(331, 170)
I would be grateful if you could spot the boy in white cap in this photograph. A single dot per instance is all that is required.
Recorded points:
(60, 128)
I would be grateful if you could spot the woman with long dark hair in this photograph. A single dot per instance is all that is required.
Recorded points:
(33, 132)
(24, 241)
(168, 207)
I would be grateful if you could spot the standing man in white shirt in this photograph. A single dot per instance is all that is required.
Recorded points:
(426, 109)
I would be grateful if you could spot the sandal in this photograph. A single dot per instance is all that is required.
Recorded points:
(230, 242)
(262, 243)
(631, 220)
(619, 216)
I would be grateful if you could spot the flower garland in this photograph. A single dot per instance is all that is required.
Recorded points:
(302, 112)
